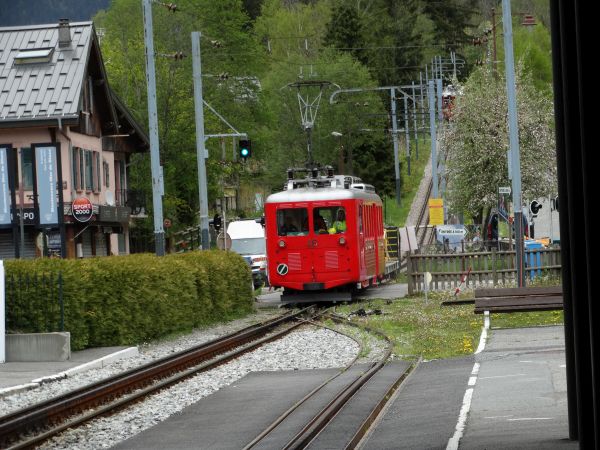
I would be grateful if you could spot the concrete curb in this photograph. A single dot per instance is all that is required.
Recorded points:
(95, 364)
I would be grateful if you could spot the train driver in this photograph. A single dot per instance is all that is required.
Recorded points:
(339, 226)
(320, 224)
(288, 227)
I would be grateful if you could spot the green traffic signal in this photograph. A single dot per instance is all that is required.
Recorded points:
(245, 149)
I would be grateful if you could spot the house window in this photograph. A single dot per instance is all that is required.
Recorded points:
(74, 167)
(89, 171)
(81, 161)
(27, 168)
(106, 173)
(96, 169)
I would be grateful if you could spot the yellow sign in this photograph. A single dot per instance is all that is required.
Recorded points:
(436, 211)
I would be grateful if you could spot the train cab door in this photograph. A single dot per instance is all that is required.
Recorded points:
(331, 230)
(293, 261)
(362, 264)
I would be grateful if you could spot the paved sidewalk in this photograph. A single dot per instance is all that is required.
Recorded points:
(18, 376)
(520, 396)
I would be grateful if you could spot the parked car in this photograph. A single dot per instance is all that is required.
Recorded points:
(248, 239)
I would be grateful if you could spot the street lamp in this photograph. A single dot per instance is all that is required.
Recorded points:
(338, 135)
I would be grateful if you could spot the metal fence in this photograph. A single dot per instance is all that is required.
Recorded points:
(485, 268)
(34, 303)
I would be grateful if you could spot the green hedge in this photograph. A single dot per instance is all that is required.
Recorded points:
(124, 300)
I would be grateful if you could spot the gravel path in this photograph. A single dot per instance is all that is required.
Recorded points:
(309, 348)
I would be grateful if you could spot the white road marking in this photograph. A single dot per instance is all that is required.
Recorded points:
(484, 332)
(466, 404)
(462, 419)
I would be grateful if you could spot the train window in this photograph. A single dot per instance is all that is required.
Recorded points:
(329, 220)
(292, 222)
(360, 219)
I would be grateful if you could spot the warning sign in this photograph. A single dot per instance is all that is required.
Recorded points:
(436, 211)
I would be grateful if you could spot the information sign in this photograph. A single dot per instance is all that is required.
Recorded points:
(436, 211)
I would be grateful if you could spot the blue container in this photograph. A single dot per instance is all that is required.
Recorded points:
(533, 258)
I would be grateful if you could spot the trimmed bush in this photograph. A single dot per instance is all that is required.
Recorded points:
(124, 300)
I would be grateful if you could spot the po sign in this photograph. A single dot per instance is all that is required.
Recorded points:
(82, 209)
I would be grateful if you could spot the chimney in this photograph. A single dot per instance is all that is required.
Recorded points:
(64, 33)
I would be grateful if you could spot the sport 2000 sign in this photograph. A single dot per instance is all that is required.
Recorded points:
(82, 209)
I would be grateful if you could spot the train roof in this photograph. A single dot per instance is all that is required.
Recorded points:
(322, 194)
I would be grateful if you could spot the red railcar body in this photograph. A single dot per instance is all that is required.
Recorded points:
(317, 257)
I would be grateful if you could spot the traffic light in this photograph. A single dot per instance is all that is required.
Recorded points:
(534, 207)
(245, 149)
(217, 222)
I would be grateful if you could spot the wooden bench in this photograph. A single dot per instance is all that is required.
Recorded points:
(518, 299)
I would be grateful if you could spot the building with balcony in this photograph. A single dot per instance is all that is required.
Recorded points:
(65, 145)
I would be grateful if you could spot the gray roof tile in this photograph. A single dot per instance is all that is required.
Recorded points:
(48, 89)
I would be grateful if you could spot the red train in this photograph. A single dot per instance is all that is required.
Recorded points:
(324, 234)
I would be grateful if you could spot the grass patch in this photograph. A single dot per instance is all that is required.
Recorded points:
(526, 319)
(434, 331)
(397, 215)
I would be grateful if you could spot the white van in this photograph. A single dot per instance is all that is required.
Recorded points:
(248, 239)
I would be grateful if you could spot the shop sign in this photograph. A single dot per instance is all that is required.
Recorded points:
(46, 175)
(82, 209)
(108, 214)
(123, 214)
(28, 216)
(5, 216)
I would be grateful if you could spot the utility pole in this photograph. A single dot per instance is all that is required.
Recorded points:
(407, 133)
(395, 139)
(513, 135)
(434, 177)
(157, 178)
(200, 138)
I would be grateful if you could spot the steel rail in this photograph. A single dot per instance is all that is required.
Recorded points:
(52, 411)
(303, 400)
(312, 429)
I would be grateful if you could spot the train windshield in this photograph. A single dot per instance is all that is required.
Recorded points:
(329, 220)
(292, 222)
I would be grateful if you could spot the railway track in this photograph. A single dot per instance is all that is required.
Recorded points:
(356, 381)
(33, 425)
(423, 230)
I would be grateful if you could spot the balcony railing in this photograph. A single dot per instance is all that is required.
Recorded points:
(135, 199)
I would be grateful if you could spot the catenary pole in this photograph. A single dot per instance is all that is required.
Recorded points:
(434, 176)
(157, 179)
(513, 138)
(200, 148)
(395, 140)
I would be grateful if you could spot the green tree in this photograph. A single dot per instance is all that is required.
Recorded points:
(227, 48)
(294, 35)
(477, 141)
(345, 30)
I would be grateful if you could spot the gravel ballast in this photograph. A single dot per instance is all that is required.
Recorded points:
(308, 348)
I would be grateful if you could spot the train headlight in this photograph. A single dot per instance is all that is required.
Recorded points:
(282, 243)
(342, 241)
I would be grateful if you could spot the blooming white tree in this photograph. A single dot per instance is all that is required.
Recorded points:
(476, 142)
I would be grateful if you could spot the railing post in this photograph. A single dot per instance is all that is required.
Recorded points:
(61, 302)
(409, 261)
(494, 271)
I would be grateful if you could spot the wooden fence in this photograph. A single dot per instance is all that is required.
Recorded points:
(478, 269)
